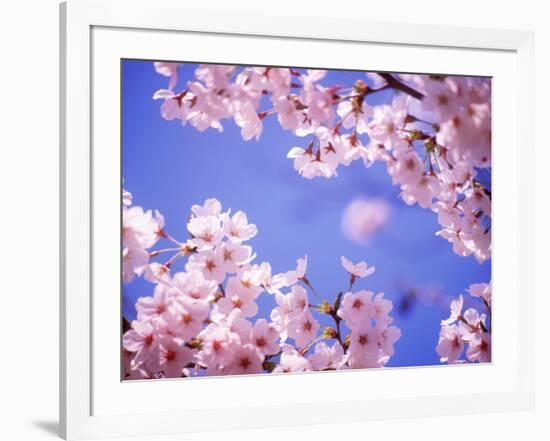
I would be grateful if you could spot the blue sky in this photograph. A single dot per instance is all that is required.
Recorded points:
(169, 167)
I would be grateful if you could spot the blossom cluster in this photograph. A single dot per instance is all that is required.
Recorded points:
(140, 231)
(204, 320)
(434, 136)
(468, 329)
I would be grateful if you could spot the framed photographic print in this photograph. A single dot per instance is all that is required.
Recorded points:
(259, 216)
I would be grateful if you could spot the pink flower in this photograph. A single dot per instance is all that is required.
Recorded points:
(156, 272)
(215, 76)
(362, 218)
(234, 255)
(247, 280)
(239, 294)
(360, 269)
(174, 106)
(476, 199)
(456, 311)
(185, 317)
(387, 125)
(207, 108)
(323, 162)
(272, 79)
(407, 168)
(153, 307)
(246, 117)
(353, 149)
(442, 97)
(327, 357)
(291, 307)
(303, 329)
(211, 207)
(140, 337)
(139, 228)
(271, 283)
(481, 290)
(355, 114)
(479, 347)
(193, 285)
(292, 361)
(238, 227)
(301, 156)
(265, 337)
(218, 346)
(143, 341)
(472, 323)
(288, 114)
(173, 356)
(356, 308)
(239, 325)
(168, 70)
(247, 359)
(133, 260)
(382, 309)
(293, 277)
(422, 191)
(209, 263)
(206, 230)
(388, 337)
(126, 198)
(450, 344)
(318, 99)
(364, 347)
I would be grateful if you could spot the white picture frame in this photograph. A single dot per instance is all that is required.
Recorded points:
(91, 400)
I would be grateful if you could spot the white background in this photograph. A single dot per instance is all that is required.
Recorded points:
(29, 220)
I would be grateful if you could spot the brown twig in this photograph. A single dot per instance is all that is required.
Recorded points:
(398, 85)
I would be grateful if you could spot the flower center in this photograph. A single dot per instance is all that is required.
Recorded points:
(170, 355)
(245, 362)
(186, 318)
(260, 342)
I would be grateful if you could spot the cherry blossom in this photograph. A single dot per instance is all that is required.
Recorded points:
(357, 308)
(360, 269)
(387, 124)
(327, 357)
(470, 329)
(456, 311)
(140, 230)
(238, 227)
(482, 290)
(445, 120)
(205, 320)
(168, 70)
(292, 361)
(173, 356)
(247, 359)
(304, 329)
(265, 337)
(293, 277)
(450, 344)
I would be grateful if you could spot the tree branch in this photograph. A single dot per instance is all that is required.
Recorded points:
(398, 85)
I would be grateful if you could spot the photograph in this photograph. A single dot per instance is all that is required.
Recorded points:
(279, 219)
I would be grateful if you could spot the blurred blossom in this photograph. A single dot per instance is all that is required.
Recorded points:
(362, 218)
